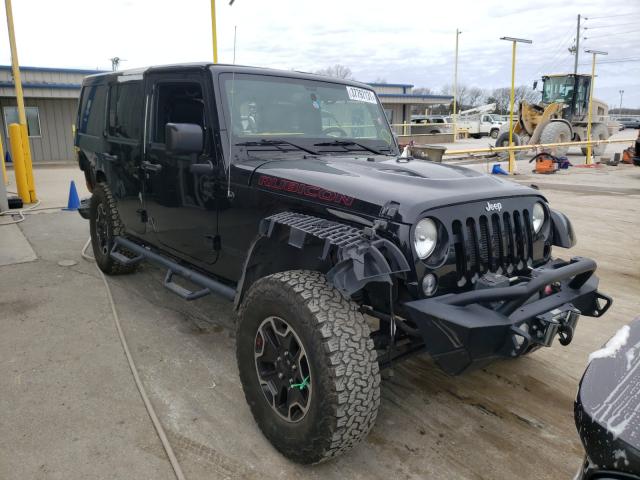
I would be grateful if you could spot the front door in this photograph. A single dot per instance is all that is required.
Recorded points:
(180, 202)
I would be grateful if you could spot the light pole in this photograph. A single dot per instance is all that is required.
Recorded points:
(621, 94)
(589, 160)
(512, 158)
(455, 89)
(214, 30)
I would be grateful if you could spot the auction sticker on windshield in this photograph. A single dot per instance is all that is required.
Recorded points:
(361, 95)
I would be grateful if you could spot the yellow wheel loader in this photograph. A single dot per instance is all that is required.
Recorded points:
(560, 117)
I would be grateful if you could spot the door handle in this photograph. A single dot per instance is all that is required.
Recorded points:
(201, 168)
(151, 167)
(110, 158)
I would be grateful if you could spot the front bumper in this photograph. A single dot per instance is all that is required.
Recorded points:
(471, 329)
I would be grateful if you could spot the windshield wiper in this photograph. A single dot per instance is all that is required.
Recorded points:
(275, 142)
(346, 143)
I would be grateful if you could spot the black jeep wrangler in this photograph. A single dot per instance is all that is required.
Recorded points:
(285, 193)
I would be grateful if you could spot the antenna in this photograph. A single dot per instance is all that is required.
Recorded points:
(230, 133)
(235, 32)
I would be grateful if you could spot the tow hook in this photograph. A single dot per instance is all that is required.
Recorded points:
(561, 321)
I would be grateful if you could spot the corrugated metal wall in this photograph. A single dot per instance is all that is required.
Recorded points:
(57, 115)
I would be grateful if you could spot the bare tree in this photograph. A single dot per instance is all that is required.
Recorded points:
(337, 71)
(476, 96)
(380, 80)
(500, 96)
(462, 100)
(421, 91)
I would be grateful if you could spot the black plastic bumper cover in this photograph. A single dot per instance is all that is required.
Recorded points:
(471, 329)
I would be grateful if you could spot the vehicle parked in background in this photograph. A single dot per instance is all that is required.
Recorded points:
(285, 193)
(479, 122)
(629, 122)
(431, 123)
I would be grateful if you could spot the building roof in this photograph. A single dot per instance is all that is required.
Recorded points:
(53, 70)
(374, 84)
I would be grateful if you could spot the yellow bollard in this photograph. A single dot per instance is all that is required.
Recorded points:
(26, 148)
(17, 155)
(5, 178)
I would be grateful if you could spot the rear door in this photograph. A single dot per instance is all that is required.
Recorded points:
(181, 205)
(123, 154)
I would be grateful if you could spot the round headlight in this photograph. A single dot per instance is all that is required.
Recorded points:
(538, 217)
(425, 237)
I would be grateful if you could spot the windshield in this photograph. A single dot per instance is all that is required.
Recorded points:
(495, 118)
(558, 89)
(271, 109)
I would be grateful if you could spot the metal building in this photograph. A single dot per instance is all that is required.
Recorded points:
(51, 99)
(397, 100)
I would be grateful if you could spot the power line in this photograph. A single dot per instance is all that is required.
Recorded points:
(612, 34)
(632, 14)
(612, 26)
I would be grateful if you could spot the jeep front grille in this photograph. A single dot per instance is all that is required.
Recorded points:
(498, 242)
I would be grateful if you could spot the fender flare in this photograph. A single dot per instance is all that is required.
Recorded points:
(562, 233)
(361, 255)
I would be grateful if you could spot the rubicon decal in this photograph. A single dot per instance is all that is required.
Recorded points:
(274, 183)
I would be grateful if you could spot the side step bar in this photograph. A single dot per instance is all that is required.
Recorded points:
(209, 285)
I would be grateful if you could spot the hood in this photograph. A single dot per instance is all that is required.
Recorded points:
(606, 408)
(365, 184)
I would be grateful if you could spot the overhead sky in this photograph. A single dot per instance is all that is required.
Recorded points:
(402, 41)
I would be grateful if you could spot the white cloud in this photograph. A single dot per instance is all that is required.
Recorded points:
(408, 41)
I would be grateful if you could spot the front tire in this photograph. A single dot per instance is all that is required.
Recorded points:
(105, 225)
(556, 132)
(340, 376)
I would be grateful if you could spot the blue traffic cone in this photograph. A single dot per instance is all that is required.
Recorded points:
(74, 200)
(497, 170)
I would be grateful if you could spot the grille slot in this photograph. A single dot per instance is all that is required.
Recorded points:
(499, 243)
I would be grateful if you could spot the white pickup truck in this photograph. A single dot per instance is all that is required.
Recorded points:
(480, 124)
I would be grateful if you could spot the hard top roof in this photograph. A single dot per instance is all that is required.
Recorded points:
(220, 68)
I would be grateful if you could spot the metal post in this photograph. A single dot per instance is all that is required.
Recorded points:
(512, 157)
(214, 32)
(22, 117)
(620, 109)
(575, 62)
(589, 159)
(455, 90)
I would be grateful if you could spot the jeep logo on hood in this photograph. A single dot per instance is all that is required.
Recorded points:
(493, 207)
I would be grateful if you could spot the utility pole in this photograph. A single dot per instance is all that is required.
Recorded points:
(621, 94)
(575, 63)
(588, 160)
(455, 89)
(214, 32)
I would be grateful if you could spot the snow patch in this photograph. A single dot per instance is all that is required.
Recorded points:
(620, 454)
(631, 354)
(614, 344)
(616, 430)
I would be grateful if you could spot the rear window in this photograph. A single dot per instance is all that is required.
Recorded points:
(91, 121)
(125, 110)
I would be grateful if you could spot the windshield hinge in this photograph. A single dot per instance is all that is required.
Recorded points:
(389, 210)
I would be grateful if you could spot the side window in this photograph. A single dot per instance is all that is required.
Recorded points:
(91, 120)
(125, 110)
(33, 119)
(177, 103)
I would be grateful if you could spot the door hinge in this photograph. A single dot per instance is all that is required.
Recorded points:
(216, 242)
(142, 213)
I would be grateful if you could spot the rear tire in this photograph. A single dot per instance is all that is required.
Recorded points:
(494, 133)
(343, 387)
(105, 225)
(556, 132)
(599, 131)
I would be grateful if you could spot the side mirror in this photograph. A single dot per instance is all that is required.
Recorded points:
(184, 138)
(535, 84)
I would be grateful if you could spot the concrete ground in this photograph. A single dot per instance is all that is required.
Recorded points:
(69, 408)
